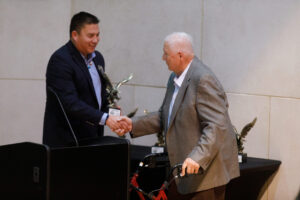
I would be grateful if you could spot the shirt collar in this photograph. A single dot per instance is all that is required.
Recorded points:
(89, 58)
(178, 80)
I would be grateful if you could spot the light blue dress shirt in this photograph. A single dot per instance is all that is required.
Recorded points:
(96, 82)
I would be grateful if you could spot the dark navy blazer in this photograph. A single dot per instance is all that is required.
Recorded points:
(68, 75)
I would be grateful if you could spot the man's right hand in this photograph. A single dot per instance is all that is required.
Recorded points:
(119, 124)
(190, 166)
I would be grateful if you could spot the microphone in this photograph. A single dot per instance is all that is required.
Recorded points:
(66, 117)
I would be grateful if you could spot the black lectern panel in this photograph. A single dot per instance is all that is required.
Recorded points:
(104, 140)
(23, 171)
(90, 172)
(35, 172)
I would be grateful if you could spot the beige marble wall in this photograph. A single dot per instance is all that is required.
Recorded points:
(252, 46)
(284, 146)
(22, 109)
(29, 33)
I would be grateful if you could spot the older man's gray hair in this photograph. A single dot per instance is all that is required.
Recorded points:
(182, 39)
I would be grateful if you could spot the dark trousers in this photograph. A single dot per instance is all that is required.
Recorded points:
(217, 193)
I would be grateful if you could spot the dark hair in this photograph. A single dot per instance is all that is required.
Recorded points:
(80, 19)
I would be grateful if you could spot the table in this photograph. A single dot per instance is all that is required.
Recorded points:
(252, 182)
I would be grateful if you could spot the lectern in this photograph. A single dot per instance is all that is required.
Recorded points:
(36, 172)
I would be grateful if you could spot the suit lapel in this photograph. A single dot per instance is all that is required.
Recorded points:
(169, 94)
(82, 66)
(103, 83)
(181, 93)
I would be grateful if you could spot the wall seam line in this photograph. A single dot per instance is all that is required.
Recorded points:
(269, 136)
(201, 31)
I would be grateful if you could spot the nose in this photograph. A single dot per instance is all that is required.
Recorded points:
(96, 39)
(163, 57)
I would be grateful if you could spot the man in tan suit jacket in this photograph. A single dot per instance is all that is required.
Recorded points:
(194, 118)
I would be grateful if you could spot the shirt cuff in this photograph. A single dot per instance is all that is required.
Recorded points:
(103, 119)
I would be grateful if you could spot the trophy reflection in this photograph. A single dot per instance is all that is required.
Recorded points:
(113, 92)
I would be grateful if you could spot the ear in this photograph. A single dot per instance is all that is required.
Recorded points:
(180, 54)
(74, 35)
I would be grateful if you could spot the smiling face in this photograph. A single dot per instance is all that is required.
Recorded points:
(87, 38)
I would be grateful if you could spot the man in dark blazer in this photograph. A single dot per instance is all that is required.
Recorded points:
(195, 121)
(76, 106)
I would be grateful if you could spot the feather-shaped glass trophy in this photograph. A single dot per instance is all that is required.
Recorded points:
(240, 139)
(113, 92)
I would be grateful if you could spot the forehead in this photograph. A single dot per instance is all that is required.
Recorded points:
(166, 47)
(169, 49)
(90, 28)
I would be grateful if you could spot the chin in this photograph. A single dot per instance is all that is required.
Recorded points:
(91, 50)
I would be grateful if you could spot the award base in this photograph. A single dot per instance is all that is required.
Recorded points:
(157, 149)
(242, 157)
(114, 112)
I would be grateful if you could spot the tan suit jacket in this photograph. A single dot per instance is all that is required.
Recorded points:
(199, 128)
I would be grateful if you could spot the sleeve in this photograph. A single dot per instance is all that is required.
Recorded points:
(59, 77)
(151, 123)
(145, 125)
(211, 108)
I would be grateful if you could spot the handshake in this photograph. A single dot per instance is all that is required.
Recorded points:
(119, 124)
